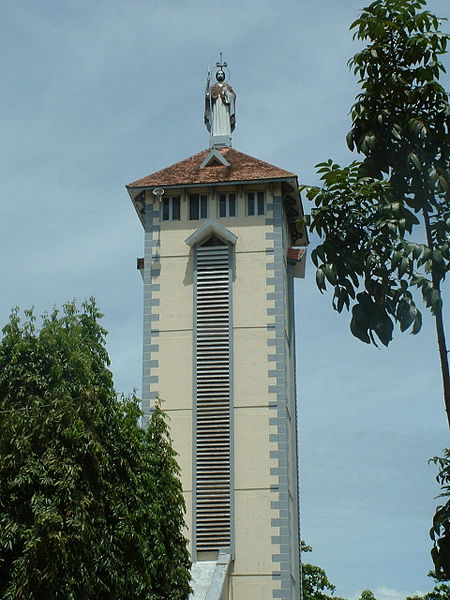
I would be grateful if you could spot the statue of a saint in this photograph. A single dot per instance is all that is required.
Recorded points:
(220, 117)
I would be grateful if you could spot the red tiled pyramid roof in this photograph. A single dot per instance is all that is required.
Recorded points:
(242, 167)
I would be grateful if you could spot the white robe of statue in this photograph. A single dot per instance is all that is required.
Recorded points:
(221, 124)
(219, 109)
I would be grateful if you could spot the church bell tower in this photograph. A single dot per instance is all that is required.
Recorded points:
(221, 254)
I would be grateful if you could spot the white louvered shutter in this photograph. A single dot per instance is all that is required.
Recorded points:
(212, 386)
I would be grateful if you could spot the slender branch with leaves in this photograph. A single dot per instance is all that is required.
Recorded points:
(384, 220)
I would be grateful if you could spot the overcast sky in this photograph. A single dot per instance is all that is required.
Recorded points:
(98, 94)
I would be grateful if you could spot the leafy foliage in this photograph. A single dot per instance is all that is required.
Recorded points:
(367, 595)
(384, 221)
(361, 244)
(440, 532)
(90, 503)
(440, 592)
(365, 211)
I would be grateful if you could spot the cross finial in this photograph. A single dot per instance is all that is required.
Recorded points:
(221, 64)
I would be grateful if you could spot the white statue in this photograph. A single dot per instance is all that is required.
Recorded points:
(220, 117)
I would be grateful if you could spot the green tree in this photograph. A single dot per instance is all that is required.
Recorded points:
(315, 583)
(367, 595)
(440, 592)
(440, 531)
(384, 221)
(90, 504)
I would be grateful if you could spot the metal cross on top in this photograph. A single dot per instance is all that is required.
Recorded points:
(220, 64)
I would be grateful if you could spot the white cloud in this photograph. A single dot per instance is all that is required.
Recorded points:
(385, 593)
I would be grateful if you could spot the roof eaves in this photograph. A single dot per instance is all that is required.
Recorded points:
(292, 180)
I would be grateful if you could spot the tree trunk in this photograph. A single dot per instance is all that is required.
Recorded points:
(443, 352)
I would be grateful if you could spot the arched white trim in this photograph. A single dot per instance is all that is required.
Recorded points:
(214, 157)
(209, 228)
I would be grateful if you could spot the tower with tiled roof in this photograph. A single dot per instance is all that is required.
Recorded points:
(221, 254)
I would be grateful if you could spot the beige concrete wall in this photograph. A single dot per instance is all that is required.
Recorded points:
(251, 381)
(251, 587)
(251, 440)
(249, 292)
(254, 549)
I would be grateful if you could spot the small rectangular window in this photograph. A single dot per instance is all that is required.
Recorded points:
(255, 204)
(165, 209)
(176, 208)
(198, 206)
(203, 207)
(261, 207)
(231, 205)
(251, 204)
(222, 205)
(194, 212)
(171, 208)
(227, 205)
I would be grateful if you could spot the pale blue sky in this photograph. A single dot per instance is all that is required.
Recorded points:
(95, 95)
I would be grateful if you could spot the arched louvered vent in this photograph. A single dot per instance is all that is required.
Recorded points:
(212, 378)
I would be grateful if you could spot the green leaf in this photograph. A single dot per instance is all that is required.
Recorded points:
(444, 184)
(330, 273)
(382, 325)
(414, 159)
(418, 249)
(359, 324)
(417, 326)
(396, 258)
(408, 318)
(403, 267)
(350, 140)
(320, 279)
(361, 315)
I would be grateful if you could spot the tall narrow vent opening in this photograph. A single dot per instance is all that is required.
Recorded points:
(213, 394)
